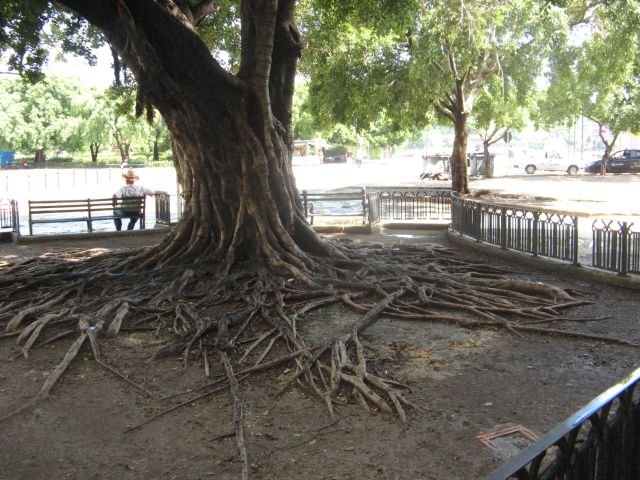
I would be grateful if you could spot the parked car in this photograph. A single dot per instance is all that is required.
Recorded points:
(622, 161)
(334, 154)
(553, 162)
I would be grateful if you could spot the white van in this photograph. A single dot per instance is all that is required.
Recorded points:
(552, 162)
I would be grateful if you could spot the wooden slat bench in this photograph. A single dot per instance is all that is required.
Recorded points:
(86, 210)
(335, 204)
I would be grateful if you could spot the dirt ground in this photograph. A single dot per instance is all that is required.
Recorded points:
(464, 383)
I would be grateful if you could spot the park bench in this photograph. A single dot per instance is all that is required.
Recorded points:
(87, 210)
(335, 204)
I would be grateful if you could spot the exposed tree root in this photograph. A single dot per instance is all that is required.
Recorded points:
(252, 318)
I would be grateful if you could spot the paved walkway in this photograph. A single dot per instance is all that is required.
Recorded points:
(584, 195)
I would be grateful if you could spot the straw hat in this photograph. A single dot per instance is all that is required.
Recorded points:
(130, 175)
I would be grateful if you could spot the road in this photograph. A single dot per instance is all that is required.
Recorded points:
(612, 195)
(585, 194)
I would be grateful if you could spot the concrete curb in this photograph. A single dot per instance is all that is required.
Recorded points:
(342, 228)
(415, 226)
(27, 240)
(558, 267)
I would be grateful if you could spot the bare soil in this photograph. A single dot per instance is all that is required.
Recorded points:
(463, 383)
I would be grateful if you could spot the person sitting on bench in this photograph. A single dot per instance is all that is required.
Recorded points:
(126, 201)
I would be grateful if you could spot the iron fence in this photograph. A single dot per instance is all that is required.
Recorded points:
(9, 215)
(531, 231)
(425, 204)
(373, 207)
(601, 441)
(616, 246)
(379, 205)
(163, 209)
(339, 205)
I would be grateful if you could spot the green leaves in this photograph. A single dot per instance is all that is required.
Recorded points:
(596, 73)
(44, 115)
(31, 29)
(419, 55)
(58, 115)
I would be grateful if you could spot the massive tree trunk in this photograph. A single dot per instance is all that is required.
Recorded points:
(231, 134)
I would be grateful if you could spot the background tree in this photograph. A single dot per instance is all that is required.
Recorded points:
(304, 123)
(95, 127)
(154, 136)
(497, 114)
(430, 58)
(40, 117)
(597, 73)
(360, 65)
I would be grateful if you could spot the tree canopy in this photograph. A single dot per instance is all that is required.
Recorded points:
(426, 61)
(57, 115)
(597, 74)
(42, 116)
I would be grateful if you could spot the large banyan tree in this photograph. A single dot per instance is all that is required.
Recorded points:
(235, 278)
(231, 132)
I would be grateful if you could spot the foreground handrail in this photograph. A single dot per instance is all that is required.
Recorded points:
(163, 209)
(610, 449)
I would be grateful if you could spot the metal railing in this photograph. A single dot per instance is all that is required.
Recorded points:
(423, 204)
(601, 441)
(163, 209)
(336, 204)
(616, 246)
(9, 215)
(373, 207)
(531, 231)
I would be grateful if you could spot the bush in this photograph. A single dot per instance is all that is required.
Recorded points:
(56, 159)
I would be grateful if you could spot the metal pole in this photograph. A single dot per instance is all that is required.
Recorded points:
(503, 228)
(624, 250)
(534, 245)
(575, 241)
(478, 221)
(582, 140)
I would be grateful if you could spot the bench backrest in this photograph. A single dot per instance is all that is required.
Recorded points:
(130, 204)
(86, 210)
(86, 205)
(58, 206)
(349, 204)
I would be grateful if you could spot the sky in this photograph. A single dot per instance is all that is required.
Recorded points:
(99, 76)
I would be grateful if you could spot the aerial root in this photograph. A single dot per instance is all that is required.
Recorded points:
(119, 374)
(252, 317)
(15, 322)
(238, 414)
(574, 334)
(57, 372)
(218, 389)
(32, 332)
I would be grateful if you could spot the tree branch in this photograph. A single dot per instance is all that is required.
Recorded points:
(204, 8)
(442, 110)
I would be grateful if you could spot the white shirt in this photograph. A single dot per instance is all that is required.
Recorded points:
(134, 191)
